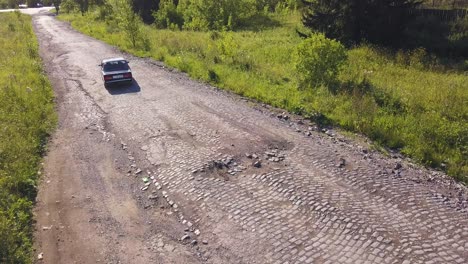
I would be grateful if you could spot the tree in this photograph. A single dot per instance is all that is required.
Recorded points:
(352, 21)
(57, 5)
(127, 20)
(84, 4)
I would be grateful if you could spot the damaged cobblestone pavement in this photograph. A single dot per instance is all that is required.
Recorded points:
(170, 170)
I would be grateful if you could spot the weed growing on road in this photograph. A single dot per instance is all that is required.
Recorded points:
(419, 108)
(26, 118)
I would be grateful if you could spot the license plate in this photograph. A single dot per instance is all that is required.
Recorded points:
(120, 76)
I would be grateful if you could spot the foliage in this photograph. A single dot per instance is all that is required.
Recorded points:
(352, 21)
(9, 3)
(168, 15)
(318, 60)
(84, 5)
(146, 9)
(401, 100)
(57, 4)
(26, 118)
(206, 15)
(127, 20)
(446, 38)
(215, 15)
(446, 4)
(275, 5)
(68, 6)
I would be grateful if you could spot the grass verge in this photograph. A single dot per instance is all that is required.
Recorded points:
(400, 100)
(26, 118)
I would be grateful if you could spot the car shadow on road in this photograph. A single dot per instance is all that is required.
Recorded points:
(123, 88)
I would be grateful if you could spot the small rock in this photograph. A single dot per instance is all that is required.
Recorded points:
(138, 171)
(257, 164)
(169, 247)
(160, 244)
(205, 242)
(194, 242)
(153, 197)
(398, 166)
(254, 156)
(185, 237)
(341, 163)
(248, 155)
(40, 256)
(197, 232)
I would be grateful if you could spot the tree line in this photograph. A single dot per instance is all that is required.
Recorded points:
(382, 22)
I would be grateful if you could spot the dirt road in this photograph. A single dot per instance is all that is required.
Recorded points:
(173, 171)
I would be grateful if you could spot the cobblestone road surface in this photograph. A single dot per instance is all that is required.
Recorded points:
(251, 187)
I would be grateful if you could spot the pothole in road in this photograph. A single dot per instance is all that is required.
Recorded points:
(230, 166)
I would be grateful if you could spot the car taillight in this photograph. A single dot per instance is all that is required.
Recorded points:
(127, 75)
(108, 77)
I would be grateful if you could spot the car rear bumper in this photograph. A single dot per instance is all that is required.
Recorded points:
(119, 80)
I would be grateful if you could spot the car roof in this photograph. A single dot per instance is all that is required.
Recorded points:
(113, 59)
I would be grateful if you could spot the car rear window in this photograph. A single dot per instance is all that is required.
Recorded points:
(116, 66)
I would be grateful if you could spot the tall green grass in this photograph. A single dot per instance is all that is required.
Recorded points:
(26, 118)
(401, 100)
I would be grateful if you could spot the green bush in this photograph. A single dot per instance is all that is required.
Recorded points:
(318, 60)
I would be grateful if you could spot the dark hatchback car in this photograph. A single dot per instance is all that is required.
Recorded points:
(116, 70)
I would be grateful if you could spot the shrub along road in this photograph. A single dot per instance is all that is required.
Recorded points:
(170, 170)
